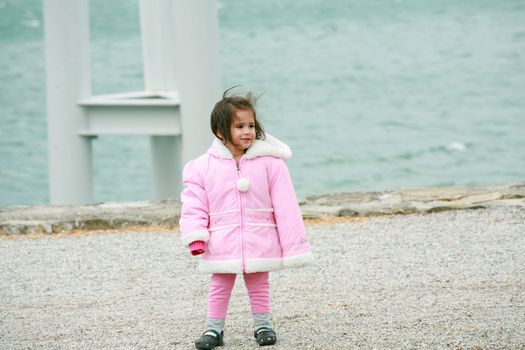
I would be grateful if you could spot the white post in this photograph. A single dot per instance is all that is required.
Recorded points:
(166, 164)
(159, 56)
(158, 47)
(180, 52)
(68, 80)
(198, 80)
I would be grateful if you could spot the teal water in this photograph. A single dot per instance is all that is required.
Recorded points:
(370, 95)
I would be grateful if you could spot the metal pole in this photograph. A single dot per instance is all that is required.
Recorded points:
(198, 79)
(180, 52)
(68, 80)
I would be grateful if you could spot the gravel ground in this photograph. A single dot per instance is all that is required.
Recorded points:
(451, 280)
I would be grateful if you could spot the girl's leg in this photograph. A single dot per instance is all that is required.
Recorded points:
(258, 286)
(221, 285)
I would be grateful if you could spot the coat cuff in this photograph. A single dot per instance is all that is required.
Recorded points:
(298, 260)
(195, 236)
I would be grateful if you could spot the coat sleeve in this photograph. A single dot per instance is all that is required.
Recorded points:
(288, 217)
(194, 216)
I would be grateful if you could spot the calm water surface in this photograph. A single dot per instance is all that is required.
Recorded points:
(370, 95)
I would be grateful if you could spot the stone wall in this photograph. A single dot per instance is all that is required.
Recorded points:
(18, 220)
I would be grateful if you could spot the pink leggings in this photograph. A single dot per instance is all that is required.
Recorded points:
(221, 286)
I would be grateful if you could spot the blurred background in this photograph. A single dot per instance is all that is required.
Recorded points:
(369, 94)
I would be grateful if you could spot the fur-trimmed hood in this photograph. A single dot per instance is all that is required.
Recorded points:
(269, 146)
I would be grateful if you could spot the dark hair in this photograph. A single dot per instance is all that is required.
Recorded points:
(224, 111)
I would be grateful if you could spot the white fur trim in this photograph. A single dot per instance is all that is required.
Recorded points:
(298, 260)
(253, 265)
(221, 148)
(270, 146)
(243, 184)
(263, 265)
(220, 266)
(195, 236)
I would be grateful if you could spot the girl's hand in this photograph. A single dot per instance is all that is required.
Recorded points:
(197, 252)
(197, 247)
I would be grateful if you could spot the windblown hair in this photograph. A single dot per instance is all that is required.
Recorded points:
(224, 111)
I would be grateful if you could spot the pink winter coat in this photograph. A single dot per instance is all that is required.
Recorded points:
(248, 217)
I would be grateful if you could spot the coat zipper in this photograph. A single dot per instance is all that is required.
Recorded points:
(241, 204)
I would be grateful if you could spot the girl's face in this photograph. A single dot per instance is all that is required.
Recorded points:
(242, 131)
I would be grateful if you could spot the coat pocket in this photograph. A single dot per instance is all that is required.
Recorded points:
(262, 242)
(224, 243)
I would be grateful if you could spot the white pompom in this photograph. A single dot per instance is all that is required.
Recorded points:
(243, 185)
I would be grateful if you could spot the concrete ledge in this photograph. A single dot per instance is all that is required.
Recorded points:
(15, 220)
(407, 201)
(18, 220)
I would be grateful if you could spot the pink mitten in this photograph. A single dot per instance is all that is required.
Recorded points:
(197, 247)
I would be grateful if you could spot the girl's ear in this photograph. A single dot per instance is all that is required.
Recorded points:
(221, 137)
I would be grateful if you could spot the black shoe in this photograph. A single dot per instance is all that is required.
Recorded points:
(265, 336)
(209, 340)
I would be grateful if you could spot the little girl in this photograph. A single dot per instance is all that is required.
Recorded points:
(240, 214)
